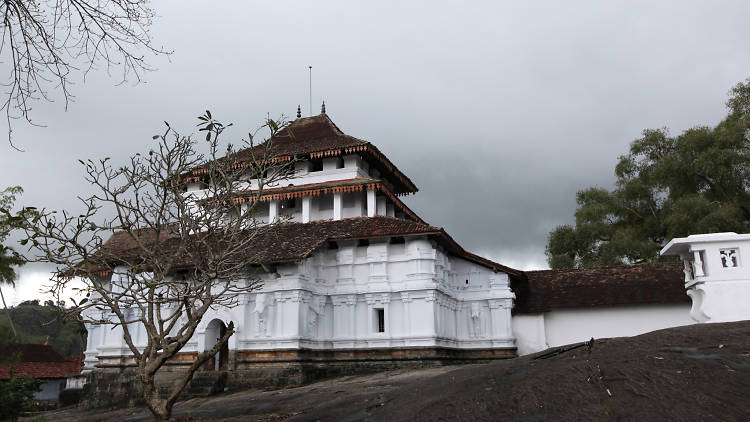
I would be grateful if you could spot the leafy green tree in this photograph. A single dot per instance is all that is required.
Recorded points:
(667, 186)
(17, 396)
(8, 257)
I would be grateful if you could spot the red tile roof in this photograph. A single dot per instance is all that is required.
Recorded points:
(317, 137)
(543, 291)
(291, 242)
(39, 361)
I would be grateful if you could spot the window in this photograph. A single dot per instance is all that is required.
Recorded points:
(379, 320)
(316, 165)
(729, 258)
(398, 246)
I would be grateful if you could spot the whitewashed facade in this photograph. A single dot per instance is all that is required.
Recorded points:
(376, 296)
(414, 288)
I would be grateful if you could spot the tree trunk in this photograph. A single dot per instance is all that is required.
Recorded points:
(7, 312)
(159, 407)
(160, 410)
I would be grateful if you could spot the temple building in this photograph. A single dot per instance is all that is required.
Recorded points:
(355, 278)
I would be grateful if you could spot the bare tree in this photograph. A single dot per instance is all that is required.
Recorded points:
(45, 42)
(176, 252)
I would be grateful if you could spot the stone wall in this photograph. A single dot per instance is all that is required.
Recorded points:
(271, 369)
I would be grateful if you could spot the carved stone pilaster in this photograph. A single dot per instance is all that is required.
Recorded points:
(341, 300)
(500, 303)
(373, 298)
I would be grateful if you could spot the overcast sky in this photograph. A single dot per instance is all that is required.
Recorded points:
(498, 111)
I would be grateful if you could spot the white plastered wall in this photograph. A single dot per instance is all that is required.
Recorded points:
(536, 332)
(330, 301)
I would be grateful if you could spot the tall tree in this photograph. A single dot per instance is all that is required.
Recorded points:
(175, 254)
(9, 259)
(667, 186)
(46, 43)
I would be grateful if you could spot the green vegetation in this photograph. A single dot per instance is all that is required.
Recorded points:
(9, 259)
(666, 187)
(37, 323)
(17, 396)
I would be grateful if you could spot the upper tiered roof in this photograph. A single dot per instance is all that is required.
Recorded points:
(318, 137)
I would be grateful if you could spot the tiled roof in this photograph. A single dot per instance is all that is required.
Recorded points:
(39, 361)
(314, 134)
(317, 137)
(290, 242)
(543, 291)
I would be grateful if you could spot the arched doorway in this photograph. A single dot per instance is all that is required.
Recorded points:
(214, 331)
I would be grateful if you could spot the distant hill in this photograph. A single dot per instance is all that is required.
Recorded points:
(37, 323)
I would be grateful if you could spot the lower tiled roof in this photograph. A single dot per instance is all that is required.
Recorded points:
(39, 361)
(543, 291)
(290, 242)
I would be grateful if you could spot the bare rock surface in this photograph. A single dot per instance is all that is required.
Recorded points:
(699, 372)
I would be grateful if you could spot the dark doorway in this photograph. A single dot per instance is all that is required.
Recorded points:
(214, 332)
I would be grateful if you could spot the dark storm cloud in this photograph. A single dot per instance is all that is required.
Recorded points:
(498, 111)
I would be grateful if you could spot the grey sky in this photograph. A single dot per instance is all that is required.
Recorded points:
(498, 111)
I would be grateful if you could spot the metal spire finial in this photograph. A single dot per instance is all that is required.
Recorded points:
(299, 111)
(323, 108)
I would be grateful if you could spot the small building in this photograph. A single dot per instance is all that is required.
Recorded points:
(558, 307)
(716, 274)
(44, 363)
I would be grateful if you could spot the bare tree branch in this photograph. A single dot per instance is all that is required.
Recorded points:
(45, 42)
(184, 225)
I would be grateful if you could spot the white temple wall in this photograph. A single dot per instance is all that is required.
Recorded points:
(335, 298)
(321, 207)
(355, 204)
(353, 167)
(537, 332)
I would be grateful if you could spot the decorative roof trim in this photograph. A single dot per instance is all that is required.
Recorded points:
(359, 185)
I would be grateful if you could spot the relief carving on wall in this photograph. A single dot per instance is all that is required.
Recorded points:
(315, 309)
(262, 305)
(476, 326)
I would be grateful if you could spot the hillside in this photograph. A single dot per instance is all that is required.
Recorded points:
(699, 372)
(37, 323)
